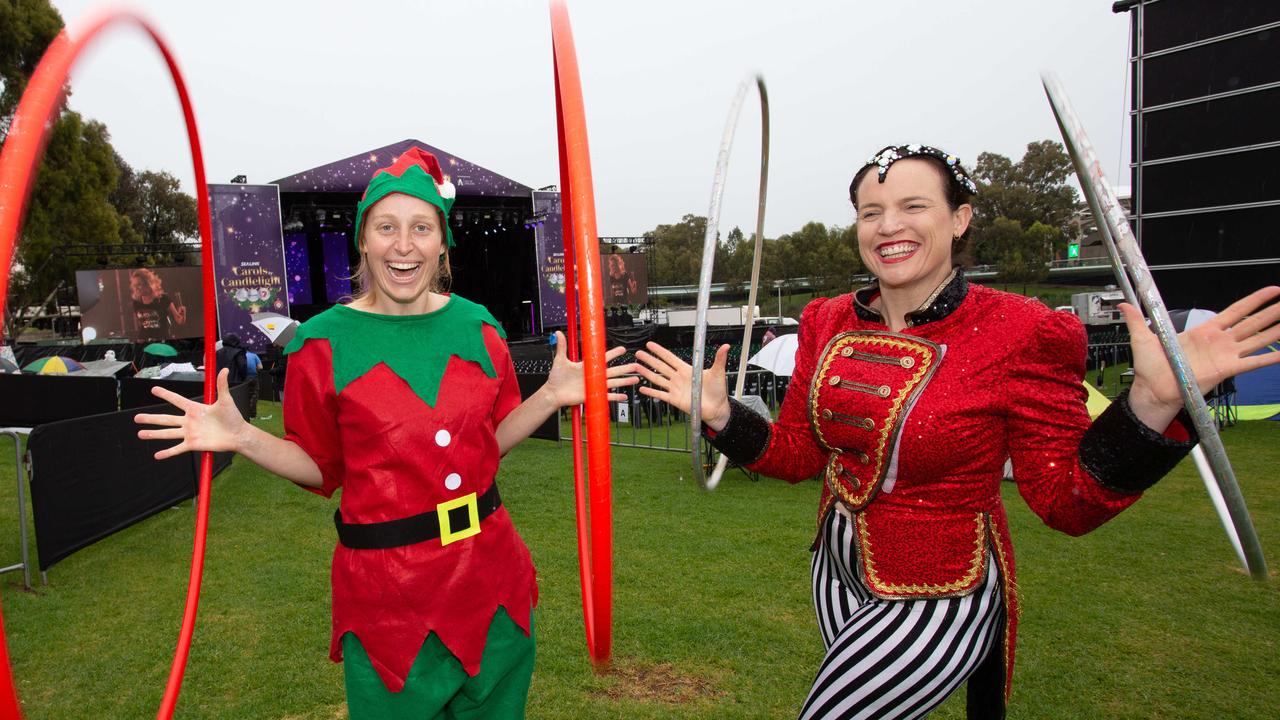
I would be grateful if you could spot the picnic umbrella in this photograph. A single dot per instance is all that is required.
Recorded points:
(278, 328)
(779, 356)
(54, 365)
(160, 350)
(8, 367)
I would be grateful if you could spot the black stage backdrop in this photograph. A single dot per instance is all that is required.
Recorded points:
(92, 477)
(529, 384)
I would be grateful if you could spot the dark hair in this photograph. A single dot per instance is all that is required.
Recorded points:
(952, 191)
(231, 340)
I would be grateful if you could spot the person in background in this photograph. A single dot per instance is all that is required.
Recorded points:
(252, 364)
(155, 313)
(231, 356)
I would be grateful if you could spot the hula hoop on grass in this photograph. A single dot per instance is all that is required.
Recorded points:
(23, 149)
(582, 271)
(708, 263)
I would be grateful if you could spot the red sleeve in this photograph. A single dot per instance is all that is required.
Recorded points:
(311, 411)
(793, 454)
(1047, 418)
(508, 397)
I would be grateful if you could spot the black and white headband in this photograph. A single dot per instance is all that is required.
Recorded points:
(888, 156)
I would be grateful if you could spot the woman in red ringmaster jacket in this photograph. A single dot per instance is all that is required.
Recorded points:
(908, 396)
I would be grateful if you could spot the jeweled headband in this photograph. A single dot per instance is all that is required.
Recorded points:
(888, 156)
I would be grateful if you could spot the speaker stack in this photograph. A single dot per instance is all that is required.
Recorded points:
(1206, 145)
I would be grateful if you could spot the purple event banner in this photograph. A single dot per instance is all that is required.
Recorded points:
(248, 258)
(549, 238)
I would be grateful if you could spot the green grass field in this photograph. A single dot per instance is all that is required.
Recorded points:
(1148, 617)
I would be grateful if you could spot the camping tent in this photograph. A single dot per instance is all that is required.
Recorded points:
(1257, 392)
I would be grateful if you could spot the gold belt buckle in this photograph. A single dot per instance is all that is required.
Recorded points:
(447, 533)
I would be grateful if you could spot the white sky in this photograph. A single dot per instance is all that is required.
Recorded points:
(281, 87)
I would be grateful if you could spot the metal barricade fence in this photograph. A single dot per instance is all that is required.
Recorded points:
(644, 422)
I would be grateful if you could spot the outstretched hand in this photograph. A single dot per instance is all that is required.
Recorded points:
(1217, 349)
(565, 384)
(200, 427)
(672, 382)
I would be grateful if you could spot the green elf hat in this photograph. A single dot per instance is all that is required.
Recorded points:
(415, 173)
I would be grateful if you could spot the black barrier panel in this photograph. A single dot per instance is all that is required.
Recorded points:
(1237, 178)
(1212, 288)
(1230, 122)
(1169, 24)
(92, 477)
(135, 394)
(529, 384)
(1235, 64)
(1245, 234)
(29, 400)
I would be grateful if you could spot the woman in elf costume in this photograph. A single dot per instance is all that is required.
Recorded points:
(406, 398)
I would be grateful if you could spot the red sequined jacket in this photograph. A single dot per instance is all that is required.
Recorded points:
(911, 430)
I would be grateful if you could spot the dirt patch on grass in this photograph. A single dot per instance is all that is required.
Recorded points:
(662, 683)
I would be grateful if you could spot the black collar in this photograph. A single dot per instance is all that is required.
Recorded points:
(941, 302)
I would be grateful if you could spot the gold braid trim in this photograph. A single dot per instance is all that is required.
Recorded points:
(925, 366)
(956, 588)
(1012, 608)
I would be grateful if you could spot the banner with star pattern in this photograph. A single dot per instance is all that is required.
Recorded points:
(248, 251)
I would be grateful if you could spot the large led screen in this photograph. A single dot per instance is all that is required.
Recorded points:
(146, 303)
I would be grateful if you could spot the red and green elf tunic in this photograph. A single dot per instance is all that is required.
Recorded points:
(400, 412)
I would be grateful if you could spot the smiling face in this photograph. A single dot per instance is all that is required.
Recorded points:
(402, 242)
(905, 227)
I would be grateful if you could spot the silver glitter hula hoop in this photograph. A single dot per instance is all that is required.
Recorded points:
(1142, 292)
(708, 262)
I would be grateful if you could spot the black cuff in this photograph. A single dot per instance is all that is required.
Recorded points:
(1124, 455)
(744, 438)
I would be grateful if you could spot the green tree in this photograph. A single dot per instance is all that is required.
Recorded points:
(26, 29)
(68, 205)
(676, 255)
(1022, 254)
(1032, 190)
(154, 210)
(844, 248)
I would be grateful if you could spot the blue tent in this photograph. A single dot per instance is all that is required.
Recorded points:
(1258, 391)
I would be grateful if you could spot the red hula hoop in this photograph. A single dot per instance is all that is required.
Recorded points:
(18, 163)
(582, 264)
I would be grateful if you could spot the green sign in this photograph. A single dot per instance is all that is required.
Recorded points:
(1073, 251)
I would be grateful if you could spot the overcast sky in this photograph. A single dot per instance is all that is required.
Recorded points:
(281, 87)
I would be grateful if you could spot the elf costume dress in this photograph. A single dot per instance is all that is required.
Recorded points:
(429, 575)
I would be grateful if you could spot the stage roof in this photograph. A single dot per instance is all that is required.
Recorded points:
(352, 174)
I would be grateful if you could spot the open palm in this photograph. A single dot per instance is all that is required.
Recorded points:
(1217, 349)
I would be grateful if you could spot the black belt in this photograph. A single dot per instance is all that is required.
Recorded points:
(459, 517)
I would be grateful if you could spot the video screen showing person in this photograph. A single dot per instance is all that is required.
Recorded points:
(626, 279)
(148, 303)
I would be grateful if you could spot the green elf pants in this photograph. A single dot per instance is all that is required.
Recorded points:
(438, 688)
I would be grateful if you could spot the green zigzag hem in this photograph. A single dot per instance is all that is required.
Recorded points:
(417, 348)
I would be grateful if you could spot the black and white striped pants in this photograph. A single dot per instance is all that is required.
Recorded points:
(892, 658)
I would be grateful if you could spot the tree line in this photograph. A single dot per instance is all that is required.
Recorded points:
(1021, 220)
(85, 193)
